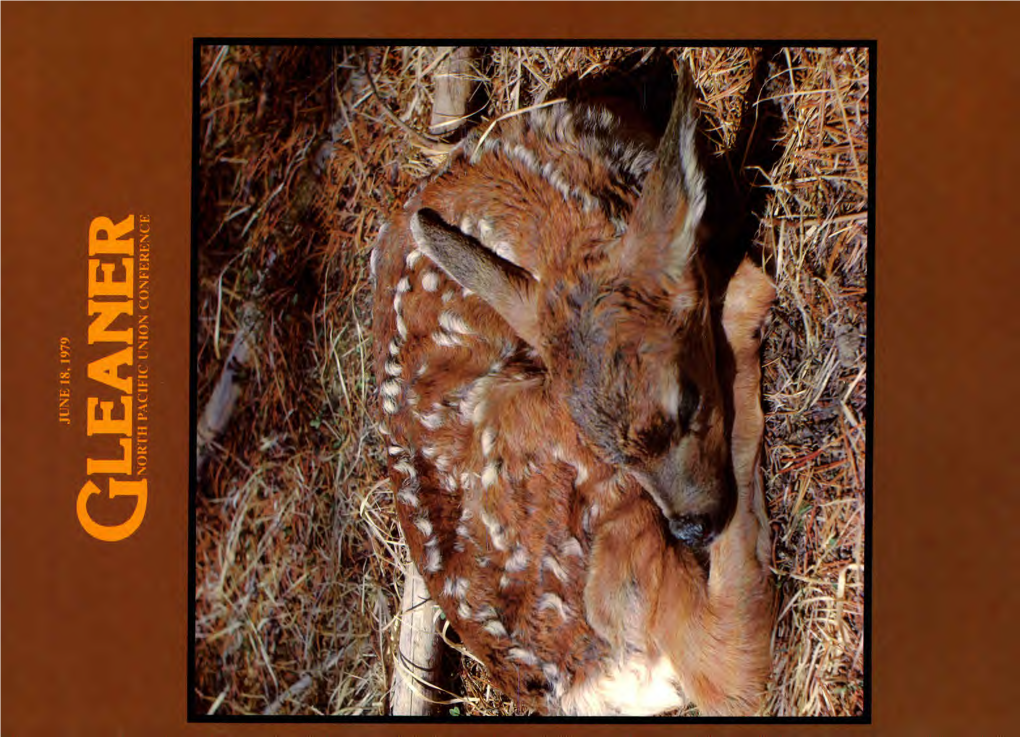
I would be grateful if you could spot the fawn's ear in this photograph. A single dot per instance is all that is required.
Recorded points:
(663, 229)
(509, 289)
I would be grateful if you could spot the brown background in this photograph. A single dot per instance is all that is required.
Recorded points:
(97, 120)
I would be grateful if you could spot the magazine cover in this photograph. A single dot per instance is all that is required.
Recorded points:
(393, 367)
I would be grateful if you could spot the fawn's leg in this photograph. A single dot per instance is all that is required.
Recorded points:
(722, 648)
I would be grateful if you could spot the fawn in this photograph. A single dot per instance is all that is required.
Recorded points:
(573, 432)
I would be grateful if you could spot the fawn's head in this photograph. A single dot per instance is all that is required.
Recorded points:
(627, 339)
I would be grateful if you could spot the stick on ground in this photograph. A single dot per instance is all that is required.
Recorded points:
(420, 652)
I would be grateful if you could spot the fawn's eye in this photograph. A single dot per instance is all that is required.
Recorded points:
(656, 437)
(690, 403)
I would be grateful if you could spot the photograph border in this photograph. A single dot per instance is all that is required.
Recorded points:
(195, 716)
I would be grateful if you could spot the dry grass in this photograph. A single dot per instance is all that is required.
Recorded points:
(299, 556)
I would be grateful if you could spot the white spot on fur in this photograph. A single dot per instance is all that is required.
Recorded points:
(422, 369)
(446, 340)
(518, 560)
(524, 155)
(403, 286)
(432, 420)
(463, 610)
(571, 547)
(389, 406)
(488, 440)
(433, 558)
(557, 180)
(472, 406)
(466, 226)
(561, 455)
(636, 159)
(497, 532)
(490, 475)
(522, 656)
(394, 349)
(412, 258)
(424, 526)
(551, 601)
(395, 450)
(406, 468)
(552, 675)
(455, 587)
(486, 612)
(478, 148)
(448, 295)
(429, 451)
(454, 323)
(390, 388)
(401, 328)
(430, 281)
(553, 566)
(495, 628)
(393, 368)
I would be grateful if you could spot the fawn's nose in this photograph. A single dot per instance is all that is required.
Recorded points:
(694, 530)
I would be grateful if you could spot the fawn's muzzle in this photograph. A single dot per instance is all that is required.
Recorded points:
(695, 505)
(695, 530)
